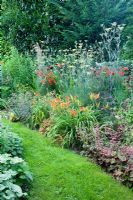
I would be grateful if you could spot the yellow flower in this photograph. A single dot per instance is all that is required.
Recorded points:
(98, 104)
(13, 117)
(94, 96)
(107, 106)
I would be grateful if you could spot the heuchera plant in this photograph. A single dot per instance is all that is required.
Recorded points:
(114, 158)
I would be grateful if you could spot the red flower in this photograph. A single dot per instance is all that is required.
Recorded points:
(51, 81)
(51, 78)
(113, 73)
(108, 72)
(121, 73)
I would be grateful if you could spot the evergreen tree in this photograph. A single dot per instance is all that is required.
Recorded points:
(59, 23)
(129, 31)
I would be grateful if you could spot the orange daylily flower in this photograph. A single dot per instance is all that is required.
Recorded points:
(73, 113)
(65, 104)
(82, 109)
(67, 98)
(53, 104)
(57, 100)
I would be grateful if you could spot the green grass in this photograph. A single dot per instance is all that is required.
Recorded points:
(62, 175)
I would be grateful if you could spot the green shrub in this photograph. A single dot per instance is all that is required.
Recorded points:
(10, 142)
(18, 70)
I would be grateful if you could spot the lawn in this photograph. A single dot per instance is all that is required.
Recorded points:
(62, 175)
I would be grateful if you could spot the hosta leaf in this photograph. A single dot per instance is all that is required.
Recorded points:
(9, 195)
(2, 187)
(16, 189)
(16, 160)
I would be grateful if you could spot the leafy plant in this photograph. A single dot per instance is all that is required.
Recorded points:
(20, 105)
(66, 116)
(14, 174)
(10, 142)
(18, 70)
(3, 104)
(106, 149)
(40, 110)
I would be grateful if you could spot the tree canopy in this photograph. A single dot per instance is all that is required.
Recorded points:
(59, 23)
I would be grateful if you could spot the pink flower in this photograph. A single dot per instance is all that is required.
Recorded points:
(43, 81)
(39, 73)
(126, 68)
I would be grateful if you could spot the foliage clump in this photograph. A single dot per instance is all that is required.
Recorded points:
(15, 176)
